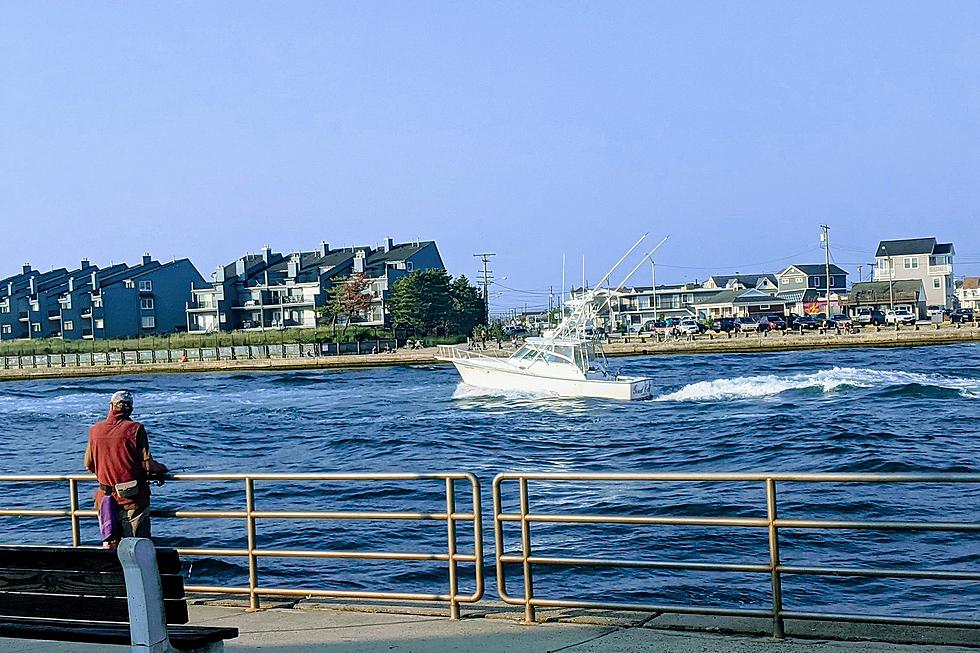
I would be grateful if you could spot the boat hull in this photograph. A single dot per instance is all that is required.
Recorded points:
(482, 374)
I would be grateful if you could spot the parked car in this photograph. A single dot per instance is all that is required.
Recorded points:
(932, 311)
(771, 323)
(868, 315)
(745, 324)
(806, 322)
(690, 327)
(249, 324)
(962, 315)
(900, 316)
(672, 321)
(840, 321)
(723, 324)
(650, 325)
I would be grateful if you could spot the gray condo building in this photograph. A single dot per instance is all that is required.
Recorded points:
(118, 301)
(272, 290)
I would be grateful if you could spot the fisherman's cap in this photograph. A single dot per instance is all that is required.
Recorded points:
(122, 397)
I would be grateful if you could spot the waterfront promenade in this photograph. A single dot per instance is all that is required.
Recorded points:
(710, 343)
(310, 626)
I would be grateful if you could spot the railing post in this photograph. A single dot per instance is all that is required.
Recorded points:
(76, 537)
(526, 554)
(253, 568)
(451, 540)
(777, 588)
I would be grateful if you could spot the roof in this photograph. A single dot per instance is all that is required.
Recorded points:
(971, 283)
(816, 269)
(748, 280)
(882, 292)
(912, 246)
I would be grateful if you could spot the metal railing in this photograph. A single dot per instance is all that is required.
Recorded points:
(771, 524)
(250, 515)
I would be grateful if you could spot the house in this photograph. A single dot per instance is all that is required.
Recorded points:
(764, 282)
(275, 290)
(968, 292)
(922, 259)
(804, 287)
(884, 295)
(115, 302)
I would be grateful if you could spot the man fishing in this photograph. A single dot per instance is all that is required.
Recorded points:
(118, 453)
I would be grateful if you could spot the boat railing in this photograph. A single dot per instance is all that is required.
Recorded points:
(516, 524)
(453, 352)
(462, 552)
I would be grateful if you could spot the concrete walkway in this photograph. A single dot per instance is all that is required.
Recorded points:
(311, 626)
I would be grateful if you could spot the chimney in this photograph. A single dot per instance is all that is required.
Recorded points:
(85, 263)
(32, 286)
(26, 268)
(240, 267)
(324, 248)
(147, 259)
(266, 253)
(71, 284)
(95, 280)
(219, 274)
(359, 262)
(389, 243)
(292, 268)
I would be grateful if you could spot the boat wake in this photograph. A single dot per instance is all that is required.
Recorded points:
(747, 387)
(464, 391)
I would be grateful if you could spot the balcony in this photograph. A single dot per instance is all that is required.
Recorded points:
(23, 316)
(202, 306)
(940, 269)
(86, 312)
(54, 315)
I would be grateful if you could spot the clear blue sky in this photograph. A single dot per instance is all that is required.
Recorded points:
(207, 129)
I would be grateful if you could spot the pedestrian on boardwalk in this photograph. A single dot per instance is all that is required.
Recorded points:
(118, 453)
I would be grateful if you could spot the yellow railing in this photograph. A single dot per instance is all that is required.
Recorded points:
(250, 515)
(527, 559)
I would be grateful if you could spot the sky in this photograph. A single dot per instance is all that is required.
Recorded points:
(529, 129)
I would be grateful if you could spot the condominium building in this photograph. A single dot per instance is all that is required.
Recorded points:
(119, 301)
(276, 290)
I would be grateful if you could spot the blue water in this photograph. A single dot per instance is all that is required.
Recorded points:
(873, 410)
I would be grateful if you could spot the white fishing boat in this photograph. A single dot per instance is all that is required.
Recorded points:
(564, 362)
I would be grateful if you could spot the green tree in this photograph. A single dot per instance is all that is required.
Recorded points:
(467, 307)
(421, 301)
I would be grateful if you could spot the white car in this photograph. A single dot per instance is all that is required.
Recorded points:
(689, 328)
(900, 316)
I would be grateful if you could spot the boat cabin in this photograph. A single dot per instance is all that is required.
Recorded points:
(568, 358)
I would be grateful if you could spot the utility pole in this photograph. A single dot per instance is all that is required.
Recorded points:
(485, 257)
(653, 281)
(825, 239)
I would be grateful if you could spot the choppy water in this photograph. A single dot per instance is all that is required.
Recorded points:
(872, 410)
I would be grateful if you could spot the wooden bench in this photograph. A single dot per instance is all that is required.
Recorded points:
(98, 596)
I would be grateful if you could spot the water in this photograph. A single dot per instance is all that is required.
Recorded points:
(874, 410)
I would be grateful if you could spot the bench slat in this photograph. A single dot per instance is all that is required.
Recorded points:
(79, 582)
(181, 637)
(94, 608)
(77, 559)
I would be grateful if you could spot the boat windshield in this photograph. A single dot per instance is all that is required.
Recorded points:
(555, 354)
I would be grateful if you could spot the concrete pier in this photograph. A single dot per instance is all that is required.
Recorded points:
(308, 626)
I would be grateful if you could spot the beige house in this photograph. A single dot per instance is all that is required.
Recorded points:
(922, 259)
(968, 293)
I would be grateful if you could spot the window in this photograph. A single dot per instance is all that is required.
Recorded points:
(99, 323)
(6, 328)
(129, 283)
(763, 307)
(221, 318)
(69, 325)
(36, 327)
(5, 308)
(35, 306)
(911, 263)
(937, 282)
(146, 285)
(146, 303)
(149, 321)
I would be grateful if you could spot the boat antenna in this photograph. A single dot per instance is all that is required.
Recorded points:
(620, 261)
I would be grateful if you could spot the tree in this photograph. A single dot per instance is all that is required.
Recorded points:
(467, 307)
(350, 299)
(421, 301)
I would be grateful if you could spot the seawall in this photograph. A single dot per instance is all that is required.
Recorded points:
(705, 344)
